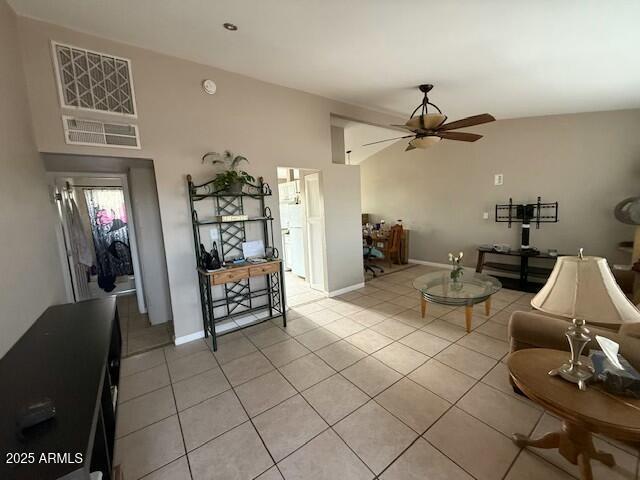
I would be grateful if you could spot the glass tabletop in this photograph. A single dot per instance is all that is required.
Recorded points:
(471, 288)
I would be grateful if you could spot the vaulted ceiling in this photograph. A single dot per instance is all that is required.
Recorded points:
(508, 57)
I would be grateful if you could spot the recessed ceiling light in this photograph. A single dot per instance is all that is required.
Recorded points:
(230, 26)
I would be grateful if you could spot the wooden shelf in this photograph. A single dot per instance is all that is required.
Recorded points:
(241, 271)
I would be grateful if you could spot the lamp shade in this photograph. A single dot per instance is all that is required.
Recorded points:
(424, 142)
(584, 288)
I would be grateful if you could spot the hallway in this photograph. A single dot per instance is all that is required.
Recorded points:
(138, 335)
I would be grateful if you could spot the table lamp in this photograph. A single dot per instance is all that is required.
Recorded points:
(583, 289)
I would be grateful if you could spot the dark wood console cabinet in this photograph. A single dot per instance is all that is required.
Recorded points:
(71, 355)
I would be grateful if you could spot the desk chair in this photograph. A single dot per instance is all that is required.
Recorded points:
(369, 252)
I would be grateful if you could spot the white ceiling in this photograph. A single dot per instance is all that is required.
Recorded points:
(507, 57)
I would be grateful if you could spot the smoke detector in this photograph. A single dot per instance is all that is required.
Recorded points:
(209, 86)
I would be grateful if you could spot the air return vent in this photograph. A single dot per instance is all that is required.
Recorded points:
(81, 131)
(93, 81)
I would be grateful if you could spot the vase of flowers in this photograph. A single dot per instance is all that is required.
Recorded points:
(232, 179)
(457, 270)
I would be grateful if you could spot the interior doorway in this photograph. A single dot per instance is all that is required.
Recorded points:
(99, 238)
(110, 242)
(302, 230)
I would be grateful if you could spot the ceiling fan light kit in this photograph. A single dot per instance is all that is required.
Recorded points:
(424, 142)
(427, 129)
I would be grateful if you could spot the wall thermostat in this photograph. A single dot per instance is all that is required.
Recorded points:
(209, 86)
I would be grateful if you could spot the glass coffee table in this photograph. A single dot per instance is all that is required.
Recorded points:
(472, 288)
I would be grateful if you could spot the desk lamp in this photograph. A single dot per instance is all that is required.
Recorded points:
(583, 289)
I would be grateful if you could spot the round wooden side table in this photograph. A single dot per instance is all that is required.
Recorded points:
(582, 412)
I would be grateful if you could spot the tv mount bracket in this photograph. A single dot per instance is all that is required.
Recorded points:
(527, 213)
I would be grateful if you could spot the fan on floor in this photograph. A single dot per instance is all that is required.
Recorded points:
(428, 128)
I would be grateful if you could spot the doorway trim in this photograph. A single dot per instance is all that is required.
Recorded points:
(315, 176)
(135, 259)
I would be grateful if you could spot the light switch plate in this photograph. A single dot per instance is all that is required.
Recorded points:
(498, 179)
(485, 215)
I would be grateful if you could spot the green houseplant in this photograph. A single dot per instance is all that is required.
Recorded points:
(232, 179)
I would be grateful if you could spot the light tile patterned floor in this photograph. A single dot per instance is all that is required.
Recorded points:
(138, 335)
(356, 387)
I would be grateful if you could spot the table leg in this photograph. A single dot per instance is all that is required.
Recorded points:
(423, 306)
(549, 440)
(487, 306)
(574, 443)
(468, 314)
(585, 467)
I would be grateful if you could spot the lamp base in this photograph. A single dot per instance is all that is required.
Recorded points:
(578, 374)
(575, 371)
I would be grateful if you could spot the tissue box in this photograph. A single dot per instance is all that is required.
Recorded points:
(619, 382)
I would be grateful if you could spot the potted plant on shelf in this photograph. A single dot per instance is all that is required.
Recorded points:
(232, 179)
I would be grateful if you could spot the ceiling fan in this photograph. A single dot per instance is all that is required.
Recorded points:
(429, 128)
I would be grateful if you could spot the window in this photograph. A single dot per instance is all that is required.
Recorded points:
(94, 81)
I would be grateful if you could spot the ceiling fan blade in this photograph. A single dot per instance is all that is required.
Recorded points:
(409, 147)
(468, 122)
(461, 136)
(405, 127)
(387, 140)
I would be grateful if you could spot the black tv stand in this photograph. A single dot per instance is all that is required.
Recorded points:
(522, 269)
(70, 355)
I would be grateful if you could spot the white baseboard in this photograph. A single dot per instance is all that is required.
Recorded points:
(342, 291)
(189, 338)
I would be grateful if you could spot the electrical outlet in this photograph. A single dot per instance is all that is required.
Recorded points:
(485, 215)
(498, 179)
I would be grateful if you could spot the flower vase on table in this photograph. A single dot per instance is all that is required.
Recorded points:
(457, 271)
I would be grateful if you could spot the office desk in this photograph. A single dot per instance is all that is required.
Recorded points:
(380, 240)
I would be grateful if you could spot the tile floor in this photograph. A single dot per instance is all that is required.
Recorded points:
(356, 387)
(138, 335)
(387, 270)
(298, 291)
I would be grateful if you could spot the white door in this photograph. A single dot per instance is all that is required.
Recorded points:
(77, 270)
(315, 230)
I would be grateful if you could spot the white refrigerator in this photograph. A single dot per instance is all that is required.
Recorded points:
(295, 223)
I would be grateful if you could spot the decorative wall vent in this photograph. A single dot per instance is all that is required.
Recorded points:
(82, 131)
(93, 81)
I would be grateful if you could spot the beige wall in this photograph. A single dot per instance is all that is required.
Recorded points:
(31, 277)
(144, 202)
(586, 162)
(337, 145)
(271, 125)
